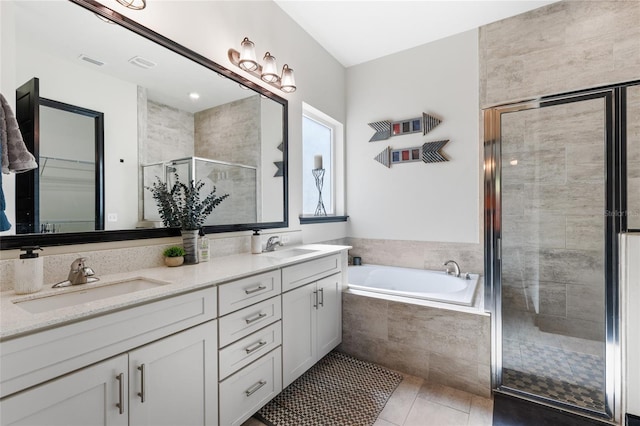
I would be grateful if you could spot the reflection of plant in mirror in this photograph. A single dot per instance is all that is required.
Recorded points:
(174, 251)
(180, 206)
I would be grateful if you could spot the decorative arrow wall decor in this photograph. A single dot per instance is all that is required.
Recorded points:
(386, 129)
(430, 152)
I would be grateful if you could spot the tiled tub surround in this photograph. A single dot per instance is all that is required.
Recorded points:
(451, 347)
(444, 344)
(417, 254)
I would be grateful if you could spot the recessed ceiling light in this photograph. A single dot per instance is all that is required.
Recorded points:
(194, 96)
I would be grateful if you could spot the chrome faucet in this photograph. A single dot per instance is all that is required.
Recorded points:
(78, 274)
(272, 243)
(456, 268)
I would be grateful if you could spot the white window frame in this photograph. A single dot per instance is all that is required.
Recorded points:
(337, 160)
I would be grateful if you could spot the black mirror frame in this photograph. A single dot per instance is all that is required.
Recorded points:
(48, 240)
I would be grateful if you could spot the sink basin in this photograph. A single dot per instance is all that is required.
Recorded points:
(287, 253)
(84, 295)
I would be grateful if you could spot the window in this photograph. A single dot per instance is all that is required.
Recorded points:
(321, 142)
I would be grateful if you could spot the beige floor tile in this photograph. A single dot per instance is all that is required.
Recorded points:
(427, 413)
(399, 405)
(481, 412)
(382, 422)
(253, 422)
(444, 395)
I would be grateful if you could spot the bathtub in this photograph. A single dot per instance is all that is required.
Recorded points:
(414, 283)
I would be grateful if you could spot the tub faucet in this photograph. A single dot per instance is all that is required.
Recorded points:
(272, 243)
(456, 268)
(78, 274)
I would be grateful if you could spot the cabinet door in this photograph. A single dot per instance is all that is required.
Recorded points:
(174, 381)
(329, 328)
(298, 332)
(87, 397)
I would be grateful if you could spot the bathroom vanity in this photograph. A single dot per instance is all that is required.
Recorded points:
(203, 344)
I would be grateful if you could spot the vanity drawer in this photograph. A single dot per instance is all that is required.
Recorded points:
(304, 273)
(247, 291)
(245, 351)
(252, 318)
(249, 389)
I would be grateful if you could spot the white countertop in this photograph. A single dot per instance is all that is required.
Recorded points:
(15, 321)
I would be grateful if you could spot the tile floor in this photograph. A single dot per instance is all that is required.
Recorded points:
(417, 403)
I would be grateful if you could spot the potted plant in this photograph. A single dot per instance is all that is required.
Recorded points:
(181, 207)
(174, 256)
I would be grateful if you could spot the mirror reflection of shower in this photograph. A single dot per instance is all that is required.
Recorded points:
(238, 180)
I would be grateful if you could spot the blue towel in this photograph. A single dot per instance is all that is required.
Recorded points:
(4, 222)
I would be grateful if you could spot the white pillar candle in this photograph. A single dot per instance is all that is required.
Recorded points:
(317, 162)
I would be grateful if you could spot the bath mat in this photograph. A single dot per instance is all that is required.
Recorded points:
(339, 390)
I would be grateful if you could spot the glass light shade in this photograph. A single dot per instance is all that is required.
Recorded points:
(269, 69)
(133, 4)
(247, 55)
(287, 81)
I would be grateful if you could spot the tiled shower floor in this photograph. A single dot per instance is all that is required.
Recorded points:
(562, 368)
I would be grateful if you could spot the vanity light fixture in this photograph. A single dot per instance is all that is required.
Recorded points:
(267, 72)
(133, 4)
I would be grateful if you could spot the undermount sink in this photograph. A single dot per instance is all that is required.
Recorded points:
(287, 253)
(87, 294)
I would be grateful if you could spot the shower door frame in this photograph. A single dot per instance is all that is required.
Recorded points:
(614, 97)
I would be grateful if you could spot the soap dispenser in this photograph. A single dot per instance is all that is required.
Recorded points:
(28, 271)
(256, 242)
(203, 246)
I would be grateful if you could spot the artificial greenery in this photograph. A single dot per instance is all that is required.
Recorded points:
(175, 251)
(180, 206)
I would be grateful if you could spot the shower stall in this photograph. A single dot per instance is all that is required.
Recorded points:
(557, 195)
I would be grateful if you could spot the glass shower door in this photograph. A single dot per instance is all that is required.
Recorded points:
(553, 266)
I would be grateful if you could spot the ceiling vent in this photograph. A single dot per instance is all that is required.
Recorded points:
(141, 62)
(89, 59)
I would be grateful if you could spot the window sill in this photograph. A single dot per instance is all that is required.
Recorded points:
(322, 219)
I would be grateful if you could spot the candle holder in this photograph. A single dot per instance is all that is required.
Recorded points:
(318, 174)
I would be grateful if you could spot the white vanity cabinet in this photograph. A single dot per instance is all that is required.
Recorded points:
(174, 381)
(176, 375)
(311, 315)
(86, 397)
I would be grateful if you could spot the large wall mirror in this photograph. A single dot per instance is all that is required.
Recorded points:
(164, 110)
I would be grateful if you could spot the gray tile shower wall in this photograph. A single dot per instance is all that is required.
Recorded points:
(565, 46)
(559, 48)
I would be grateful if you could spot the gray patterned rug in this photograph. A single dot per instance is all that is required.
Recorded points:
(339, 390)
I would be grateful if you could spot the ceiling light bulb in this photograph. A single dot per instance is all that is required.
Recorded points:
(194, 96)
(133, 4)
(288, 82)
(269, 69)
(247, 55)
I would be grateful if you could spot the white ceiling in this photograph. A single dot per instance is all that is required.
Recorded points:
(358, 31)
